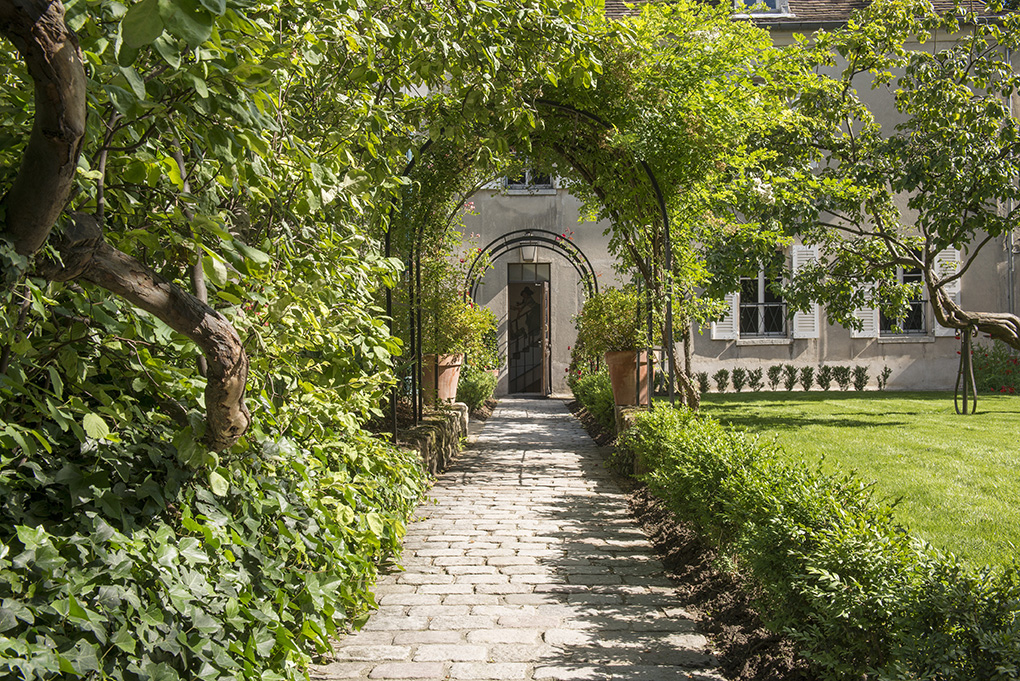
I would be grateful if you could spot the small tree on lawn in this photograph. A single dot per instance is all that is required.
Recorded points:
(913, 195)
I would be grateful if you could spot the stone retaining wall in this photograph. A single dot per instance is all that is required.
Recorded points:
(437, 438)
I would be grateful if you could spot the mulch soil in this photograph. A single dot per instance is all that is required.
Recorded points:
(721, 602)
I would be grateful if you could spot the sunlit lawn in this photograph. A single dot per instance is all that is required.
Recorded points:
(957, 478)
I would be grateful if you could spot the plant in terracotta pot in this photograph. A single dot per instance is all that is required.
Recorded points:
(455, 331)
(609, 328)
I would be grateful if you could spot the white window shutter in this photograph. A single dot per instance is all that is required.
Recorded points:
(494, 185)
(869, 321)
(728, 328)
(805, 324)
(946, 263)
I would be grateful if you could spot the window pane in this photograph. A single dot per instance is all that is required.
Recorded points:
(914, 321)
(748, 290)
(541, 180)
(542, 271)
(513, 272)
(775, 320)
(749, 320)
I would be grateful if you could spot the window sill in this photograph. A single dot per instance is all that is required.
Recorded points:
(549, 191)
(764, 341)
(907, 339)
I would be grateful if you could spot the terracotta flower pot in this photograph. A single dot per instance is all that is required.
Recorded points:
(449, 376)
(623, 374)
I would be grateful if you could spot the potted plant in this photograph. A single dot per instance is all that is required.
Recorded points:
(608, 326)
(459, 333)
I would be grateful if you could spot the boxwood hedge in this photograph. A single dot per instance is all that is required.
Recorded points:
(858, 594)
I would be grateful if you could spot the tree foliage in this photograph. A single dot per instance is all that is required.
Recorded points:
(897, 194)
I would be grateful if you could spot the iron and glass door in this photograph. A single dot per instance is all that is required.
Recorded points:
(529, 333)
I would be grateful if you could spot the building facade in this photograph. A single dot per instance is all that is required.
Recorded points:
(543, 257)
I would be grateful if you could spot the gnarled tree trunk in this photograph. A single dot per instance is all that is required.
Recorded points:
(999, 325)
(40, 192)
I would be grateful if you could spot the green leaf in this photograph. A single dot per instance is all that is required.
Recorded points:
(134, 80)
(217, 7)
(95, 427)
(218, 484)
(187, 20)
(252, 254)
(192, 551)
(167, 48)
(142, 24)
(125, 640)
(56, 382)
(215, 269)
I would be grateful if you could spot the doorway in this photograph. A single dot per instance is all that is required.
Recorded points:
(529, 349)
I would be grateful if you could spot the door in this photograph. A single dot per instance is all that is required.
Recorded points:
(528, 337)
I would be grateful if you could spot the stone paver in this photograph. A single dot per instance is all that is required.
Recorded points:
(525, 564)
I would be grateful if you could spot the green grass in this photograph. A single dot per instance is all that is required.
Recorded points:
(956, 479)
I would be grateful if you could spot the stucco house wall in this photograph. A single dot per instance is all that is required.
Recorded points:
(918, 361)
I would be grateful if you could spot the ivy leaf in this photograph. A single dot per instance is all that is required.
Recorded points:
(142, 24)
(218, 484)
(95, 427)
(125, 640)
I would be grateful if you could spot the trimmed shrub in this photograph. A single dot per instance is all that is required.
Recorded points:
(807, 377)
(754, 379)
(841, 374)
(825, 377)
(722, 379)
(858, 595)
(775, 374)
(860, 378)
(475, 387)
(703, 386)
(789, 376)
(595, 394)
(883, 378)
(739, 378)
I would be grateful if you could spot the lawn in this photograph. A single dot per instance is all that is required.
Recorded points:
(956, 478)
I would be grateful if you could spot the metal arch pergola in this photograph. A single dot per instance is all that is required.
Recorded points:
(541, 238)
(414, 264)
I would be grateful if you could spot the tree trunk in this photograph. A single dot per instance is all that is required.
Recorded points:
(999, 325)
(227, 415)
(54, 60)
(40, 192)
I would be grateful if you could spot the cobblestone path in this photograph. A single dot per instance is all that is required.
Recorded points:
(524, 564)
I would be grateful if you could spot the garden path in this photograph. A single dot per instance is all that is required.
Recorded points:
(525, 563)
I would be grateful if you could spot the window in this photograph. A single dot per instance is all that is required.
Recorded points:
(762, 310)
(527, 272)
(913, 321)
(757, 313)
(759, 7)
(529, 180)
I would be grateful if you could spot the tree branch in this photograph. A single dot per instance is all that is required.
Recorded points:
(54, 60)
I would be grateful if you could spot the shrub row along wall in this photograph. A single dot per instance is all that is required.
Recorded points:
(858, 595)
(595, 393)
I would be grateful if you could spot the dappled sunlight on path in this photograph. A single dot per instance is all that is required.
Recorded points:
(525, 564)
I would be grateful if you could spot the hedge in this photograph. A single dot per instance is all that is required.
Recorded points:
(858, 595)
(595, 394)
